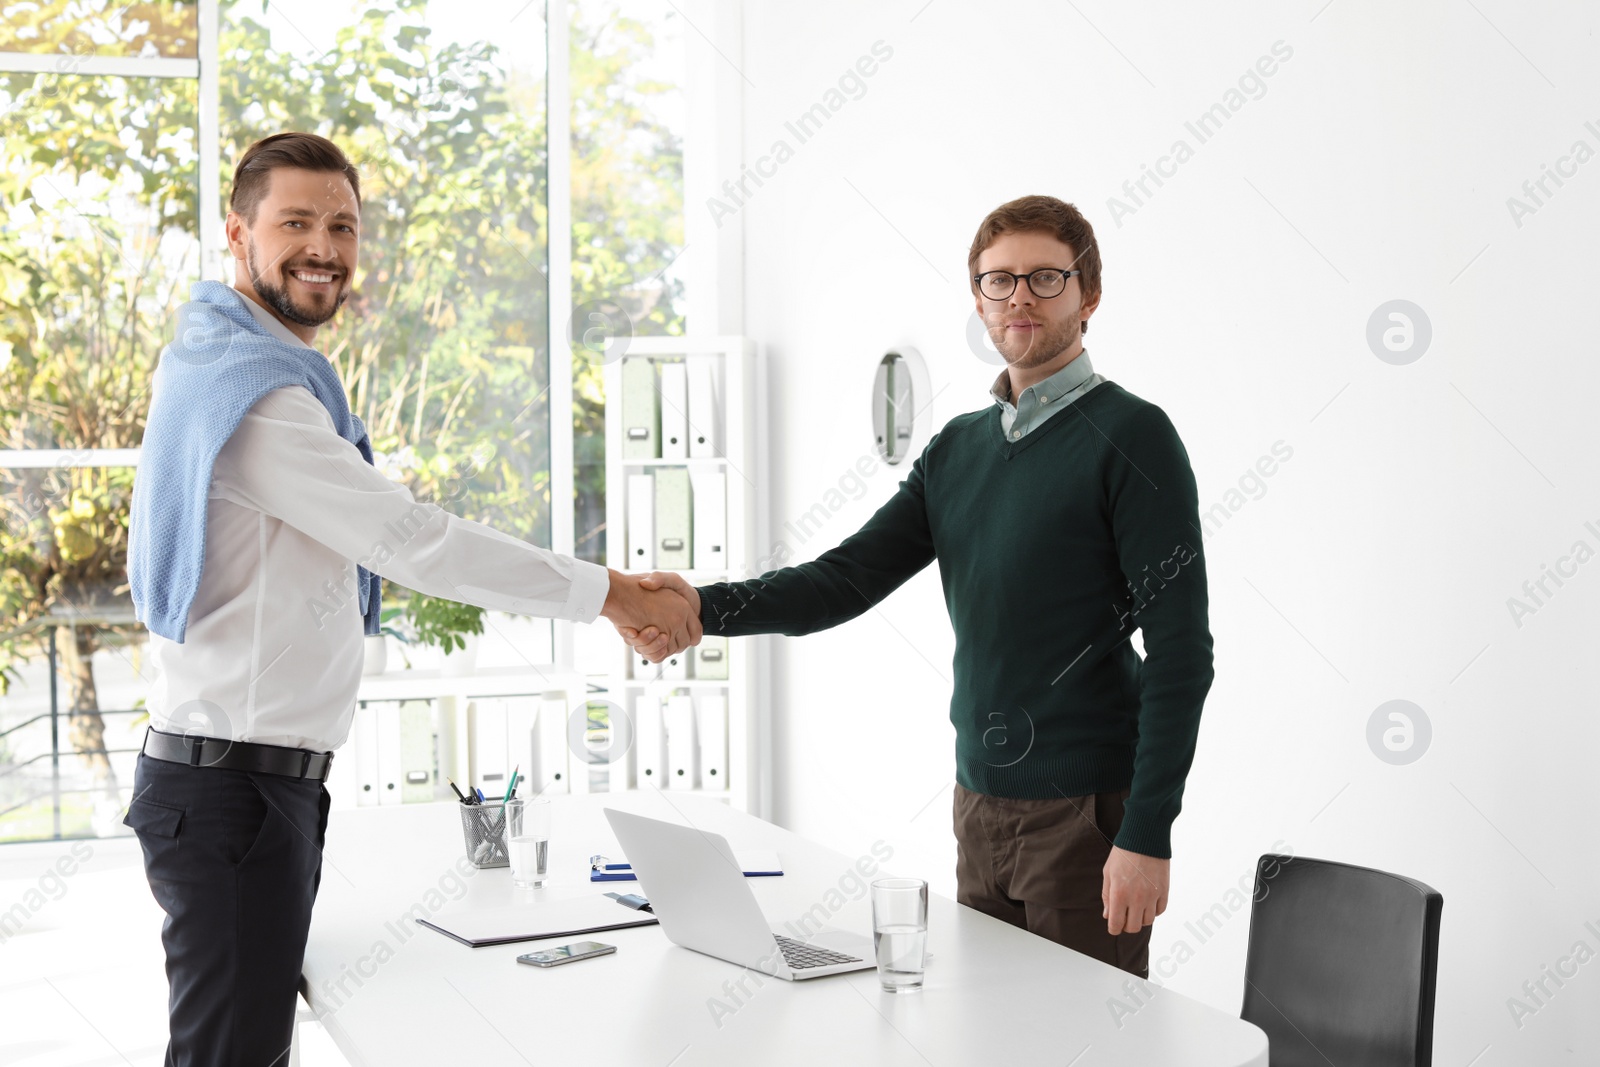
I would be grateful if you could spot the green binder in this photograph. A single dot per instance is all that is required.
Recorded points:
(641, 409)
(673, 548)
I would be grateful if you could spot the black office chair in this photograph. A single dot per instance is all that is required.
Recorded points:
(1342, 964)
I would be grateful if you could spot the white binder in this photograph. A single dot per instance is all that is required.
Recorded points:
(364, 739)
(674, 411)
(710, 492)
(711, 715)
(682, 746)
(549, 771)
(389, 762)
(641, 523)
(650, 740)
(704, 412)
(489, 769)
(676, 667)
(522, 718)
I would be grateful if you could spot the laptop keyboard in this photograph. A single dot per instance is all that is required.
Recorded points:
(801, 956)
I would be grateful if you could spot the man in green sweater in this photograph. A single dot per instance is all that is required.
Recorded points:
(1063, 516)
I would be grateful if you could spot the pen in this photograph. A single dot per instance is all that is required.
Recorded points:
(479, 792)
(459, 793)
(512, 788)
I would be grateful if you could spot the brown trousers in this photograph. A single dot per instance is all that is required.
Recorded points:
(1039, 864)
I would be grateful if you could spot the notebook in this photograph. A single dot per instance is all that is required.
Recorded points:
(535, 922)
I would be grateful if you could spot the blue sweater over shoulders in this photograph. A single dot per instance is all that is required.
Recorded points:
(220, 362)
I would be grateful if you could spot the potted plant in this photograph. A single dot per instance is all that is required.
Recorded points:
(449, 624)
(376, 648)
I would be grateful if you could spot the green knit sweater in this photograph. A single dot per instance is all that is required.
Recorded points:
(1052, 549)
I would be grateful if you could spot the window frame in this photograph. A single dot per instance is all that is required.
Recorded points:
(205, 68)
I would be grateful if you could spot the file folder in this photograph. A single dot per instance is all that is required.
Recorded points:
(705, 413)
(651, 741)
(549, 770)
(674, 411)
(522, 719)
(682, 746)
(486, 723)
(476, 927)
(711, 658)
(676, 666)
(641, 523)
(710, 491)
(416, 751)
(364, 737)
(641, 409)
(386, 724)
(711, 713)
(673, 518)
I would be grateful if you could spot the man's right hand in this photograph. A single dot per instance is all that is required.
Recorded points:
(650, 642)
(657, 618)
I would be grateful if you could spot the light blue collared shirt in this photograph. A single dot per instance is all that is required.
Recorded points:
(1039, 402)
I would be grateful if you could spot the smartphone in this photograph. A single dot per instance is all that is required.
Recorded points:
(555, 957)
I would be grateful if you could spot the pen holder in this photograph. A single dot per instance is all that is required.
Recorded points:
(484, 828)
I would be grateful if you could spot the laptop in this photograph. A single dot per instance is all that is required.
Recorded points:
(699, 894)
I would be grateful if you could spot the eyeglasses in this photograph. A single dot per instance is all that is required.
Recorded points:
(1043, 283)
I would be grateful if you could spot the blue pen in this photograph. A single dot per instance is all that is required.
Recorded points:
(480, 795)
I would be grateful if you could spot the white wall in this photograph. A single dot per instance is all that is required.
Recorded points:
(1374, 564)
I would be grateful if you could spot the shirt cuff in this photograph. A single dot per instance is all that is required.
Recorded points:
(591, 584)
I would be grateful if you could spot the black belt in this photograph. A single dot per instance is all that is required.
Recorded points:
(237, 755)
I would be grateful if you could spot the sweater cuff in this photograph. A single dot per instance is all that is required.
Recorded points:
(1145, 834)
(711, 615)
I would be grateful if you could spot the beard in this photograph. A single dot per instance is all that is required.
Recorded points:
(278, 299)
(1039, 347)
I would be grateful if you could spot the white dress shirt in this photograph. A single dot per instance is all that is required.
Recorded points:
(273, 651)
(1039, 402)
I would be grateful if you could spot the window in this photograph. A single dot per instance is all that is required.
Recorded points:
(628, 73)
(119, 125)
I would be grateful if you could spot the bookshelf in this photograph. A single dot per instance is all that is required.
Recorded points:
(715, 390)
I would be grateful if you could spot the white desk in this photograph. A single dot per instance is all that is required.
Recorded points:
(993, 994)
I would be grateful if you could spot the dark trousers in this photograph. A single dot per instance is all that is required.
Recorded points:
(1039, 864)
(234, 859)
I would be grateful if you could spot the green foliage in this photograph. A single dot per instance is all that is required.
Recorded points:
(443, 343)
(90, 27)
(436, 621)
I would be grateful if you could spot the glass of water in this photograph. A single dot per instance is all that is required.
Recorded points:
(900, 932)
(528, 841)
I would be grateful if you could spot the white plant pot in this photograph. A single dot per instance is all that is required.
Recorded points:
(461, 661)
(375, 654)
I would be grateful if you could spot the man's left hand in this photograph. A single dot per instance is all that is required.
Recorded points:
(1133, 889)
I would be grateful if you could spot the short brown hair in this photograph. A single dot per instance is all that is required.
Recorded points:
(305, 151)
(1042, 214)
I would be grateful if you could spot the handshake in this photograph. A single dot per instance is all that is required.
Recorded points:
(657, 614)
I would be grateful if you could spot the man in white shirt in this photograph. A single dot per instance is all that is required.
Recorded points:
(260, 686)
